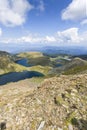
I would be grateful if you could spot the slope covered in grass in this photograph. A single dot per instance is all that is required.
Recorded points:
(8, 65)
(42, 69)
(76, 65)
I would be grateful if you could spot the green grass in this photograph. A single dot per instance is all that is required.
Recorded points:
(37, 79)
(75, 70)
(12, 67)
(30, 54)
(42, 69)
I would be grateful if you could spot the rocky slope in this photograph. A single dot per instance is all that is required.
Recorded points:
(58, 103)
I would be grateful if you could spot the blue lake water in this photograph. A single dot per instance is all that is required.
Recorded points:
(23, 62)
(58, 65)
(16, 76)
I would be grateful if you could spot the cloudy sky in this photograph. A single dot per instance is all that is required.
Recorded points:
(38, 22)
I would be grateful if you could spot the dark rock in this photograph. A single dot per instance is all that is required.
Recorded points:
(2, 125)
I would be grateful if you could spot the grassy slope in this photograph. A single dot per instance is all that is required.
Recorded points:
(42, 69)
(74, 66)
(77, 66)
(12, 67)
(30, 54)
(7, 65)
(75, 70)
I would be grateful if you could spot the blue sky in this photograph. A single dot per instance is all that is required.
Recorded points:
(38, 22)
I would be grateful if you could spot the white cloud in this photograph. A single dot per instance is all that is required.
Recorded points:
(13, 12)
(84, 37)
(69, 36)
(76, 10)
(37, 39)
(41, 6)
(0, 31)
(30, 39)
(84, 22)
(50, 39)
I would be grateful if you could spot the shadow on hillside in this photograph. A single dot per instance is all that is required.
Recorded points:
(80, 124)
(16, 76)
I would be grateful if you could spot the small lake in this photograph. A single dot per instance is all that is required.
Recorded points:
(24, 62)
(58, 65)
(16, 76)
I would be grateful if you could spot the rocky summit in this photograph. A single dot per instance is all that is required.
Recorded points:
(58, 103)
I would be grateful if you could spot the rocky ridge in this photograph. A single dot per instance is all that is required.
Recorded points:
(58, 103)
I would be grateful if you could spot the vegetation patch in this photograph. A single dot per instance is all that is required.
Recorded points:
(75, 70)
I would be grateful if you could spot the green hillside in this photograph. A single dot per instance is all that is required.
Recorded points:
(76, 65)
(8, 65)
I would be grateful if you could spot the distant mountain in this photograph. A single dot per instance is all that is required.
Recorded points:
(84, 57)
(71, 50)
